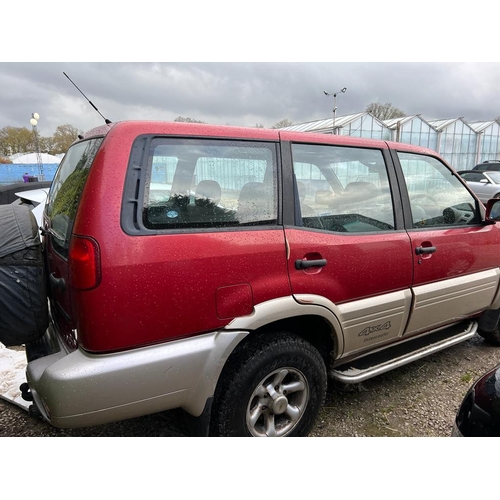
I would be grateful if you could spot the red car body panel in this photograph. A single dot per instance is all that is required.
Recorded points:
(357, 266)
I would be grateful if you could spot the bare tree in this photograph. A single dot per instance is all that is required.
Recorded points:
(283, 123)
(384, 111)
(187, 120)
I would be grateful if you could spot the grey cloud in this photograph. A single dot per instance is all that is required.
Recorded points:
(240, 93)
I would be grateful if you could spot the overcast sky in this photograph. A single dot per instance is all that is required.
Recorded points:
(240, 93)
(244, 93)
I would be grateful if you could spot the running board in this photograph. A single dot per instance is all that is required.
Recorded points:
(402, 354)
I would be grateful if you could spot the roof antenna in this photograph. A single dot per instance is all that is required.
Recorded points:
(90, 102)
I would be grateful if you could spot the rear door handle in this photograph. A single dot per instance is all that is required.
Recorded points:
(306, 264)
(57, 283)
(422, 250)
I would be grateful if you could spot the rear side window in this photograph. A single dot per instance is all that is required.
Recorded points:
(196, 183)
(343, 189)
(65, 192)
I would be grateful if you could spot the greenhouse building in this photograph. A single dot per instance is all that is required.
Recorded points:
(461, 144)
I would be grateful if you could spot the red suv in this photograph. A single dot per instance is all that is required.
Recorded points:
(228, 271)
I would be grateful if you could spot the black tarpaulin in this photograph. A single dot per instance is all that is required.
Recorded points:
(23, 297)
(16, 229)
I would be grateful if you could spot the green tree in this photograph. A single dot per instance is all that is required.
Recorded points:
(62, 139)
(384, 111)
(187, 120)
(16, 140)
(282, 123)
(259, 125)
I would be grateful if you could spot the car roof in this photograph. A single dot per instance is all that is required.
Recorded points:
(253, 133)
(486, 164)
(460, 172)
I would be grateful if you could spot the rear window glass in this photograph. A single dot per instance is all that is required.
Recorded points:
(196, 183)
(66, 189)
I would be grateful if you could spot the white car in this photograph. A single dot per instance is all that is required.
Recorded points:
(35, 199)
(485, 184)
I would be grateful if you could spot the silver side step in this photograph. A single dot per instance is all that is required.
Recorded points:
(400, 355)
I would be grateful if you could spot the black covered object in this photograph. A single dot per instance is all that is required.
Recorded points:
(23, 298)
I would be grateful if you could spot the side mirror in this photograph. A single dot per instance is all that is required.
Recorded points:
(493, 210)
(484, 181)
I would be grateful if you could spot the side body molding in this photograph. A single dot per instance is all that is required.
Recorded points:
(357, 325)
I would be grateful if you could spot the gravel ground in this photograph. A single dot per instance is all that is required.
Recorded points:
(419, 399)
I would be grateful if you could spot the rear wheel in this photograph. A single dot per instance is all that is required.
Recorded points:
(273, 386)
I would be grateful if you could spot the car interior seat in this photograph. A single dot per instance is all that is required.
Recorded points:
(305, 209)
(255, 203)
(207, 193)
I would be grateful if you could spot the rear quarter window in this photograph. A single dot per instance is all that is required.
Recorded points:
(198, 183)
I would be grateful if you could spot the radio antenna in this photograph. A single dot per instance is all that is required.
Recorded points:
(90, 102)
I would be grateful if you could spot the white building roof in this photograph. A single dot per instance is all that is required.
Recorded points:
(326, 124)
(29, 158)
(480, 126)
(393, 122)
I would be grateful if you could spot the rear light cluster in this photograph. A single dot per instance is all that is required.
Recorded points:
(84, 263)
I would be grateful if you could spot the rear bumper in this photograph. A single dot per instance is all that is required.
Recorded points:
(79, 389)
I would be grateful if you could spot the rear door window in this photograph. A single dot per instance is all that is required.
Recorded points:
(343, 188)
(65, 192)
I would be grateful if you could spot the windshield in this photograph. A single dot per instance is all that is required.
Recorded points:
(495, 177)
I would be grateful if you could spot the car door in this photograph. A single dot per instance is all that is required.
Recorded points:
(348, 250)
(455, 255)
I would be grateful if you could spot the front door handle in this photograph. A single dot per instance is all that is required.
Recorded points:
(306, 264)
(422, 250)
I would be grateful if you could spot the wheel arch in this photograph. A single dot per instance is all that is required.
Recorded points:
(315, 323)
(312, 328)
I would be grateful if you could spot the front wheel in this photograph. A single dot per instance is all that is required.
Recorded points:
(493, 337)
(273, 386)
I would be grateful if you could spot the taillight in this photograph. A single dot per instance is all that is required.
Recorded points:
(84, 263)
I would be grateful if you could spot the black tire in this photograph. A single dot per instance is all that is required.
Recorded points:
(273, 385)
(492, 337)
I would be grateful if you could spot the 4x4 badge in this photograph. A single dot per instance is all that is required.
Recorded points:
(378, 328)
